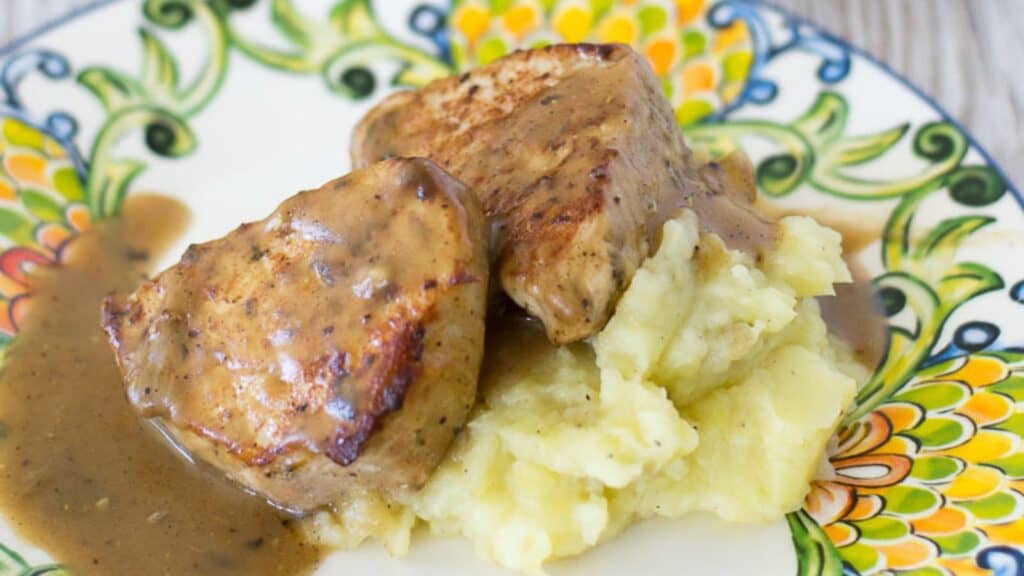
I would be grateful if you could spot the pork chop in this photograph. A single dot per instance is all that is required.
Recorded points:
(333, 346)
(576, 153)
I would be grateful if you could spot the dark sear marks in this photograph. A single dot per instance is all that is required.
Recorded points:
(574, 150)
(81, 474)
(313, 352)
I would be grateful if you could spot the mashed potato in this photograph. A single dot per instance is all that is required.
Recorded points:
(711, 368)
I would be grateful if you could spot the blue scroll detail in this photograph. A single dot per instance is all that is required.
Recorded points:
(835, 56)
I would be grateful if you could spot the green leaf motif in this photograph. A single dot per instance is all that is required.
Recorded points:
(947, 235)
(816, 555)
(68, 184)
(12, 564)
(354, 20)
(652, 19)
(862, 557)
(17, 133)
(16, 227)
(113, 89)
(936, 397)
(882, 528)
(940, 432)
(958, 544)
(907, 501)
(858, 150)
(1012, 466)
(159, 70)
(42, 206)
(927, 571)
(1012, 387)
(825, 121)
(998, 507)
(694, 44)
(938, 469)
(1014, 425)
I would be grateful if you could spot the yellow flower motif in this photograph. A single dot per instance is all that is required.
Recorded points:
(618, 28)
(700, 67)
(520, 20)
(573, 24)
(472, 20)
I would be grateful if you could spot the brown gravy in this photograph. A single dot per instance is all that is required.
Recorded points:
(854, 314)
(85, 478)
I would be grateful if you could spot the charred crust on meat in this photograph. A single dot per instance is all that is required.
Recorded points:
(399, 363)
(191, 254)
(599, 51)
(256, 253)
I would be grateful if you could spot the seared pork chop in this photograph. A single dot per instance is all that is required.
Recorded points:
(575, 151)
(330, 347)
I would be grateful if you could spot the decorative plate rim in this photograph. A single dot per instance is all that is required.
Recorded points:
(19, 41)
(804, 528)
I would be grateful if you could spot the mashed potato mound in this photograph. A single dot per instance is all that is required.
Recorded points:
(715, 386)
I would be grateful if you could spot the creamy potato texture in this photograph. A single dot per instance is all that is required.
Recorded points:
(715, 386)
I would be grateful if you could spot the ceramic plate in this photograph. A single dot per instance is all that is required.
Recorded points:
(230, 104)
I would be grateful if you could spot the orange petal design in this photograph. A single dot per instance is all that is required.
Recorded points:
(841, 534)
(698, 77)
(1011, 533)
(901, 416)
(974, 482)
(7, 191)
(985, 408)
(942, 521)
(898, 445)
(963, 566)
(52, 236)
(910, 553)
(863, 436)
(661, 54)
(19, 309)
(9, 288)
(687, 10)
(731, 34)
(27, 168)
(6, 327)
(986, 445)
(872, 470)
(828, 502)
(981, 371)
(78, 216)
(867, 506)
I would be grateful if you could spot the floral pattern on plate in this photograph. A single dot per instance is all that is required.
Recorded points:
(927, 468)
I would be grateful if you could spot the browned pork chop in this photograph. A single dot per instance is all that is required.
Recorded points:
(332, 346)
(574, 149)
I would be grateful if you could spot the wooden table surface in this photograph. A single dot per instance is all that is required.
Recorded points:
(966, 53)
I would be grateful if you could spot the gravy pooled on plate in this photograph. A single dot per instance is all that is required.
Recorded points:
(81, 474)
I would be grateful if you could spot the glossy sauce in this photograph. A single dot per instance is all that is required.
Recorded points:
(85, 478)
